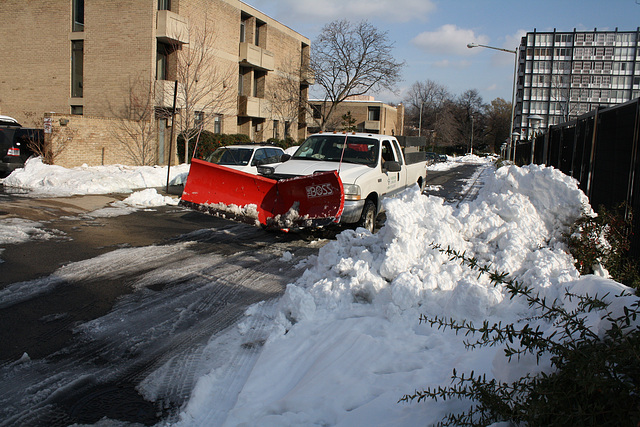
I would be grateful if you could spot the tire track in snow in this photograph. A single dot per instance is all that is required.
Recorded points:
(168, 320)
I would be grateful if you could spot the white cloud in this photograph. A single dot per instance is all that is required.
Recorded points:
(446, 63)
(448, 39)
(353, 10)
(512, 41)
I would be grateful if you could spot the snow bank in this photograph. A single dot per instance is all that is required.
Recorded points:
(58, 181)
(346, 342)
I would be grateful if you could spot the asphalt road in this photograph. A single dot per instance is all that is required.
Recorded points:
(105, 302)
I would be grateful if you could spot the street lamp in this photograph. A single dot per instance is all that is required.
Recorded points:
(420, 120)
(471, 146)
(514, 138)
(534, 122)
(515, 76)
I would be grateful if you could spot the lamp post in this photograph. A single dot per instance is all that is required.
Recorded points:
(514, 139)
(420, 120)
(513, 89)
(471, 146)
(534, 122)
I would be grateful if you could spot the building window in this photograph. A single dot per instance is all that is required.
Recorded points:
(198, 118)
(260, 32)
(78, 15)
(244, 24)
(241, 76)
(258, 83)
(161, 61)
(316, 111)
(164, 4)
(77, 53)
(374, 113)
(77, 110)
(276, 131)
(217, 124)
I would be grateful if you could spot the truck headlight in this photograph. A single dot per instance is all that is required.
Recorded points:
(352, 192)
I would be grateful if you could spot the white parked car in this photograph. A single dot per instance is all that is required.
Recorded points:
(246, 158)
(292, 150)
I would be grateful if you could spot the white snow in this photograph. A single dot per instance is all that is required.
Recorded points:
(344, 343)
(42, 179)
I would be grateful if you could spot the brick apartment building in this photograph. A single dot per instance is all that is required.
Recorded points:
(368, 114)
(84, 68)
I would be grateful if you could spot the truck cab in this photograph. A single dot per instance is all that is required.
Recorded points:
(371, 168)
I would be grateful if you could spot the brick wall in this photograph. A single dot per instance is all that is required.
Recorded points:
(119, 49)
(93, 141)
(34, 69)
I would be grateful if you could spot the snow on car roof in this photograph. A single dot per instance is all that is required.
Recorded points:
(8, 120)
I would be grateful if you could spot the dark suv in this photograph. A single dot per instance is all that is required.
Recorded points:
(16, 144)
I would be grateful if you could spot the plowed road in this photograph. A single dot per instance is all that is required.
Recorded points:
(110, 316)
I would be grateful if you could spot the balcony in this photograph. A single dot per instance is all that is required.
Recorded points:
(372, 125)
(172, 28)
(249, 106)
(254, 56)
(307, 76)
(164, 94)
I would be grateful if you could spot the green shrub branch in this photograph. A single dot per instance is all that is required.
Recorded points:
(593, 379)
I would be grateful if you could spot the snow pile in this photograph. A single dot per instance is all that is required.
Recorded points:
(56, 180)
(19, 230)
(346, 343)
(143, 199)
(149, 198)
(456, 161)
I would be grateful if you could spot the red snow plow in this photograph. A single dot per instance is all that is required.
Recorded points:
(306, 201)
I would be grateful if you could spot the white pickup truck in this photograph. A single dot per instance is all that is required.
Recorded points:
(370, 166)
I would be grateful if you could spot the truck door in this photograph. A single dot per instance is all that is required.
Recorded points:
(395, 180)
(403, 173)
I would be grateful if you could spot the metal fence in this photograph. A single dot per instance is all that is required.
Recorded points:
(600, 150)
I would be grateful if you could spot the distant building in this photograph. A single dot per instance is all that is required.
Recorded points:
(562, 75)
(367, 115)
(80, 60)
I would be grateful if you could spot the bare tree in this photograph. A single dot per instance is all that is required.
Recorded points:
(467, 119)
(135, 127)
(51, 146)
(352, 59)
(428, 98)
(498, 122)
(447, 125)
(285, 97)
(205, 89)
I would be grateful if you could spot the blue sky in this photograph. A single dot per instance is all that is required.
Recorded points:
(432, 35)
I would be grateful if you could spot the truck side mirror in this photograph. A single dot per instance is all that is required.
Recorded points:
(391, 166)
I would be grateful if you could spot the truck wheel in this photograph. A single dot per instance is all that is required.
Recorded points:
(368, 217)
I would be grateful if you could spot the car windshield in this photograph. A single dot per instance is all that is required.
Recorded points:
(231, 156)
(358, 149)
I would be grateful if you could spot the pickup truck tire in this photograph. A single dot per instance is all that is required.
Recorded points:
(368, 217)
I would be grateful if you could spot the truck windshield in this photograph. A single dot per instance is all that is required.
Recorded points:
(230, 156)
(330, 148)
